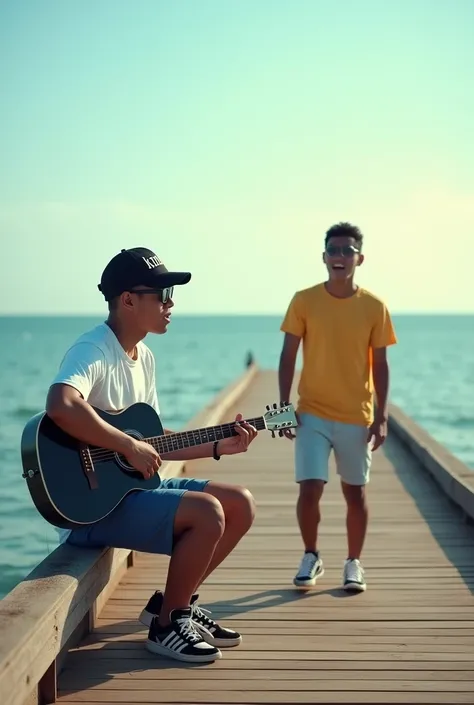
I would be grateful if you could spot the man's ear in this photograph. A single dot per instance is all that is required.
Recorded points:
(126, 299)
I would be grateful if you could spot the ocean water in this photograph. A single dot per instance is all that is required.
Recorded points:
(432, 380)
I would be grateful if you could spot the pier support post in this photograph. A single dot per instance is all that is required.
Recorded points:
(47, 687)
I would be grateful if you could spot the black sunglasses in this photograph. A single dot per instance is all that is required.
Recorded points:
(343, 250)
(164, 295)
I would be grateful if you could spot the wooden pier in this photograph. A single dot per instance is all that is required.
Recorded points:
(69, 632)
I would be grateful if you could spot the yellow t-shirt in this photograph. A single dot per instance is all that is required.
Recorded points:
(338, 336)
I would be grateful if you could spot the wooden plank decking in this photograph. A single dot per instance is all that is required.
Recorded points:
(408, 639)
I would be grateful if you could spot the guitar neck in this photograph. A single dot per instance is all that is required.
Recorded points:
(199, 436)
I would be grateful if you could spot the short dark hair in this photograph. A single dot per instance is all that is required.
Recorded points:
(113, 304)
(344, 230)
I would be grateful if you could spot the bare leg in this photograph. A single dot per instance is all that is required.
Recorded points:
(198, 527)
(307, 511)
(356, 518)
(239, 511)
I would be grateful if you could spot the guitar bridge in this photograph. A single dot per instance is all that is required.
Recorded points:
(88, 467)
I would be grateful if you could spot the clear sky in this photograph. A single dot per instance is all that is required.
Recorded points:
(228, 136)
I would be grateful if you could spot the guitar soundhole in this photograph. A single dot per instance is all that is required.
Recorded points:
(120, 459)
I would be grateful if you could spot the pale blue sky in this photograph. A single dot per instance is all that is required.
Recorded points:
(228, 136)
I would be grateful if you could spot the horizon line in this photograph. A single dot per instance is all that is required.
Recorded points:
(225, 314)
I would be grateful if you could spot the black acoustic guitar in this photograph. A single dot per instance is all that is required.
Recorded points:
(73, 484)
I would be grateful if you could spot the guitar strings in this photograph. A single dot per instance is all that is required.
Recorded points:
(171, 442)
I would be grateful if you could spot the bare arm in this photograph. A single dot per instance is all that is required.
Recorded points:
(381, 382)
(67, 408)
(193, 453)
(286, 370)
(378, 430)
(245, 434)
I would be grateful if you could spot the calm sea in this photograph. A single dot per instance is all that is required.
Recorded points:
(432, 380)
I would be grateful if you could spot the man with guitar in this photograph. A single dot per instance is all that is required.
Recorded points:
(196, 522)
(345, 331)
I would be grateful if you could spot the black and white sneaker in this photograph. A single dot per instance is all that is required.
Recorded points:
(180, 640)
(152, 609)
(353, 578)
(311, 568)
(209, 629)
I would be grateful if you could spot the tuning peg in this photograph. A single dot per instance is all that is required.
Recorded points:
(268, 407)
(273, 434)
(280, 433)
(283, 403)
(274, 406)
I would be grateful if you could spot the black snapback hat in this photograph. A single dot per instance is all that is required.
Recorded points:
(137, 267)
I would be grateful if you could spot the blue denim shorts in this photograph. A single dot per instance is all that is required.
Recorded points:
(143, 521)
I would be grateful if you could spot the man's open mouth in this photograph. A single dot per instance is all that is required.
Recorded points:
(338, 266)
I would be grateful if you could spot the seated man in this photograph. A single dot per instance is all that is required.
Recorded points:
(196, 522)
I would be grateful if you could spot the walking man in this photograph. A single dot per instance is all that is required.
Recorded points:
(345, 331)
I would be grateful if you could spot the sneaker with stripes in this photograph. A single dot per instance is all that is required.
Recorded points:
(180, 640)
(152, 608)
(212, 632)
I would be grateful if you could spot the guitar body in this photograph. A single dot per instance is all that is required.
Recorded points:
(73, 484)
(64, 493)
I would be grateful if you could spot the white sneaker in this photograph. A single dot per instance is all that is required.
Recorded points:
(311, 568)
(353, 579)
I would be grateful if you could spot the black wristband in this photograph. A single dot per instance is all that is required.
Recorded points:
(214, 451)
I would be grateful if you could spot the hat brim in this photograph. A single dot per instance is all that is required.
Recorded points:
(170, 279)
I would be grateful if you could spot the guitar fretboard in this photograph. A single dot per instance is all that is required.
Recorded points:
(199, 436)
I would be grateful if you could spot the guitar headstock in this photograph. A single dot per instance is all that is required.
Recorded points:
(277, 418)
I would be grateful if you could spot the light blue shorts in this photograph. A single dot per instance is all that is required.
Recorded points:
(143, 521)
(316, 437)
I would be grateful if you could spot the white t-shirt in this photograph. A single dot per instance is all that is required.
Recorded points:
(99, 368)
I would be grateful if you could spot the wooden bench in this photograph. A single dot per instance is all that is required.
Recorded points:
(52, 609)
(59, 601)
